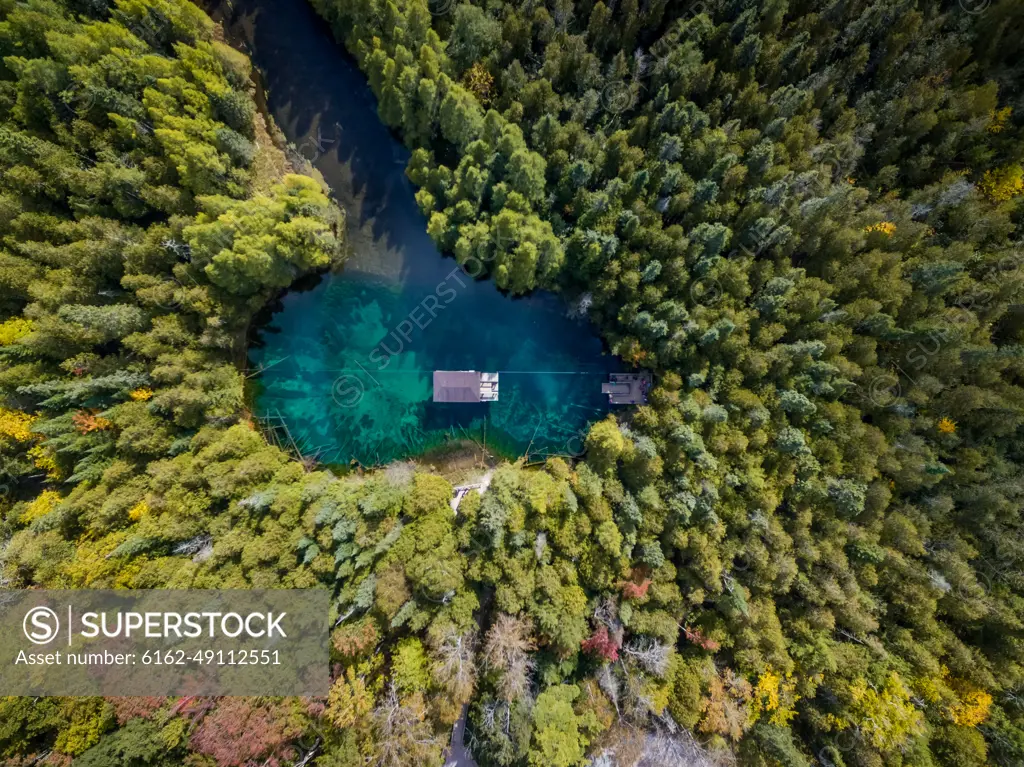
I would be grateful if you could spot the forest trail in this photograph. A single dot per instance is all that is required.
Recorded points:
(458, 754)
(480, 486)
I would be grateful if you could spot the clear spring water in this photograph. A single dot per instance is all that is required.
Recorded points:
(347, 365)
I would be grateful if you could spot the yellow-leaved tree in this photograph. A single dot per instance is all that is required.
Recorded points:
(884, 714)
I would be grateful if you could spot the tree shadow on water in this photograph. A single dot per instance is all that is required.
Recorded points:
(324, 106)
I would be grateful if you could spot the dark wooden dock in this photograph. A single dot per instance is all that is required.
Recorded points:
(627, 388)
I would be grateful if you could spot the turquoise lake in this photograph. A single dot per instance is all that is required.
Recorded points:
(347, 363)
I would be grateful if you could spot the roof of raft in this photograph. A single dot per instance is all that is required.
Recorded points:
(456, 386)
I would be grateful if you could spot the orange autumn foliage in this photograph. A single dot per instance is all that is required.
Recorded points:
(86, 422)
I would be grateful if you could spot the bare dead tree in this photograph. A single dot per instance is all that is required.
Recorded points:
(402, 736)
(581, 306)
(650, 654)
(507, 650)
(490, 712)
(607, 612)
(609, 685)
(455, 663)
(497, 715)
(681, 750)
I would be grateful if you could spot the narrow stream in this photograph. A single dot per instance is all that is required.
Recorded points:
(347, 364)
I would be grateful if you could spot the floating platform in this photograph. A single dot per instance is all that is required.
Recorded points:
(627, 388)
(465, 386)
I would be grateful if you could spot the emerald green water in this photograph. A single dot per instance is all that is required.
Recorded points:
(347, 366)
(329, 375)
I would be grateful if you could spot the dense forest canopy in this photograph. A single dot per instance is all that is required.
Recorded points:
(805, 218)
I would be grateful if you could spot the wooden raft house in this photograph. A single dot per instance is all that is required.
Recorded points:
(465, 386)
